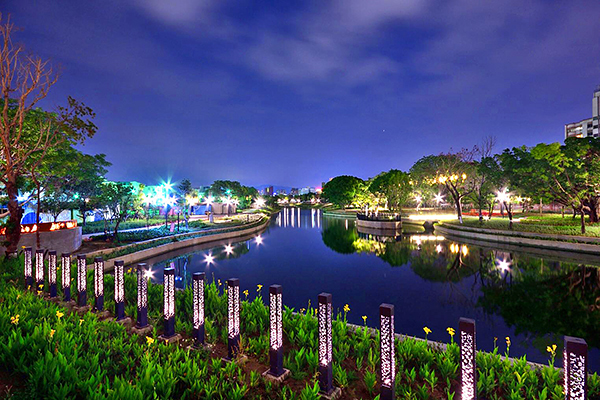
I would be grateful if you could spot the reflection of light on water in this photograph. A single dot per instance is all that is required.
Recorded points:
(503, 265)
(455, 248)
(464, 249)
(312, 217)
(228, 249)
(426, 238)
(258, 240)
(438, 248)
(149, 274)
(346, 224)
(209, 259)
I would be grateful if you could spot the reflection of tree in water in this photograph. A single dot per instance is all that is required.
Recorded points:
(239, 249)
(338, 237)
(535, 297)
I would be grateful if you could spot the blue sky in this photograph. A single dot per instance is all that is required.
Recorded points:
(293, 93)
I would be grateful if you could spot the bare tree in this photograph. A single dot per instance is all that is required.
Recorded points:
(26, 134)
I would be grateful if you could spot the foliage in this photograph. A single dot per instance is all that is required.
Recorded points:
(343, 190)
(120, 199)
(394, 186)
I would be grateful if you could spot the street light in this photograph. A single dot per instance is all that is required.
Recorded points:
(52, 272)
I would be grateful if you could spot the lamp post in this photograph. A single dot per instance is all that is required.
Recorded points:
(99, 283)
(233, 317)
(142, 296)
(169, 302)
(468, 376)
(575, 368)
(325, 344)
(119, 290)
(198, 303)
(52, 272)
(39, 268)
(276, 331)
(65, 263)
(81, 281)
(388, 364)
(28, 266)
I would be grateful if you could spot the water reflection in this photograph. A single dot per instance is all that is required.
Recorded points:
(534, 299)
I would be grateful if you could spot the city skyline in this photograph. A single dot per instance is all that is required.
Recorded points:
(294, 94)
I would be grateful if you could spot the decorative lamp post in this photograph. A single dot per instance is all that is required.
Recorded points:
(28, 270)
(99, 283)
(388, 365)
(65, 263)
(276, 331)
(81, 281)
(52, 272)
(198, 301)
(119, 290)
(39, 268)
(575, 361)
(325, 344)
(233, 317)
(142, 296)
(468, 377)
(169, 302)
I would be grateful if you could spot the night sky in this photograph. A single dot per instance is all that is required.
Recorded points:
(293, 93)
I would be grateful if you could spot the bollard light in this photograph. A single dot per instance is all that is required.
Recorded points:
(39, 269)
(198, 301)
(81, 281)
(468, 377)
(52, 272)
(99, 283)
(142, 296)
(276, 330)
(233, 317)
(119, 290)
(169, 302)
(388, 364)
(575, 368)
(65, 265)
(325, 343)
(28, 261)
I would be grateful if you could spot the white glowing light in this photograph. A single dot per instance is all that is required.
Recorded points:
(503, 196)
(28, 262)
(169, 293)
(81, 270)
(432, 217)
(228, 249)
(438, 248)
(467, 359)
(258, 240)
(233, 308)
(325, 334)
(39, 267)
(275, 318)
(52, 267)
(259, 202)
(418, 198)
(575, 368)
(119, 282)
(66, 270)
(98, 277)
(209, 259)
(388, 365)
(439, 198)
(142, 287)
(503, 265)
(464, 249)
(198, 297)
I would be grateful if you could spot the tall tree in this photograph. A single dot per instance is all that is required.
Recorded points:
(455, 172)
(395, 187)
(342, 190)
(27, 134)
(121, 200)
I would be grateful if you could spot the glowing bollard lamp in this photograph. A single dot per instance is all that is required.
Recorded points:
(52, 273)
(65, 264)
(142, 326)
(468, 377)
(99, 284)
(198, 303)
(81, 281)
(388, 364)
(119, 290)
(575, 361)
(39, 269)
(169, 302)
(325, 347)
(28, 261)
(233, 318)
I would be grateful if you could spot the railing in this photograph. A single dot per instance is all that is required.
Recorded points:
(378, 217)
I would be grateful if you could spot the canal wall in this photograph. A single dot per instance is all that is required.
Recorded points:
(579, 244)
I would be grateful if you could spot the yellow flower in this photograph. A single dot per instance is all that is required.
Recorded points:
(507, 341)
(246, 292)
(80, 322)
(39, 292)
(149, 340)
(28, 287)
(551, 350)
(258, 287)
(15, 320)
(364, 317)
(52, 332)
(59, 315)
(219, 281)
(41, 286)
(302, 310)
(427, 330)
(451, 331)
(346, 308)
(129, 271)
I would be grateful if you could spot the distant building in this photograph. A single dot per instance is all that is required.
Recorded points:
(307, 190)
(294, 192)
(269, 191)
(589, 126)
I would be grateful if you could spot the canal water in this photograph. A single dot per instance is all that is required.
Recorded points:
(535, 297)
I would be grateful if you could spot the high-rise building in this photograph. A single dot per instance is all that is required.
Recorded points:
(588, 127)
